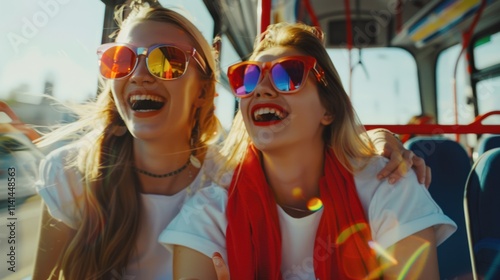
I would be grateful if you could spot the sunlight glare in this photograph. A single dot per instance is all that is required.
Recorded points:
(346, 233)
(382, 252)
(314, 204)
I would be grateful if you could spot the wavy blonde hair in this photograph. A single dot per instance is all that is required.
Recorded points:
(345, 135)
(107, 235)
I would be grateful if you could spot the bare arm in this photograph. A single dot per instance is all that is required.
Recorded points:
(414, 257)
(191, 264)
(53, 239)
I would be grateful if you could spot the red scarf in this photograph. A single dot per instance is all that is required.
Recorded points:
(253, 238)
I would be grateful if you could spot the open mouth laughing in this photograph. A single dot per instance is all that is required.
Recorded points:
(268, 114)
(146, 102)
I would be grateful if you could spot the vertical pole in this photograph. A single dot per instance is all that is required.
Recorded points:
(264, 15)
(347, 7)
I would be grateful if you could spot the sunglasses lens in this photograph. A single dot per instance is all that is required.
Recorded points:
(244, 79)
(117, 62)
(288, 75)
(167, 62)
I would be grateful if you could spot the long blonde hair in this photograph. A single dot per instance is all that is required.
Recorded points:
(345, 135)
(107, 235)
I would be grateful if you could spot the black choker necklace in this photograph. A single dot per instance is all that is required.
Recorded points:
(172, 173)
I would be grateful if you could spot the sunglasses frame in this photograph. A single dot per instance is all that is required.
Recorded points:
(138, 51)
(310, 63)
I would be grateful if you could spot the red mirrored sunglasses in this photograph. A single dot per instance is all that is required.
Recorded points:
(164, 61)
(288, 74)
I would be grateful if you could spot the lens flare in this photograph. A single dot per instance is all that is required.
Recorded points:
(379, 271)
(314, 204)
(344, 235)
(382, 252)
(412, 261)
(297, 192)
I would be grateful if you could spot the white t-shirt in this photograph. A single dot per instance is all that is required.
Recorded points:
(60, 188)
(393, 212)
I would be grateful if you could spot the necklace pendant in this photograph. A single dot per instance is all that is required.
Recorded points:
(195, 161)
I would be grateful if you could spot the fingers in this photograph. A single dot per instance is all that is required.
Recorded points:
(392, 168)
(388, 146)
(400, 160)
(420, 169)
(220, 267)
(400, 171)
(398, 166)
(428, 177)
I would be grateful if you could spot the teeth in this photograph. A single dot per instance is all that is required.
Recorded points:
(145, 97)
(146, 102)
(262, 111)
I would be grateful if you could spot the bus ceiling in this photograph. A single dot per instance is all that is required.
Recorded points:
(346, 23)
(369, 23)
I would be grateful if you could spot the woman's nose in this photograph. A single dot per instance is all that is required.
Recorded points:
(141, 73)
(265, 88)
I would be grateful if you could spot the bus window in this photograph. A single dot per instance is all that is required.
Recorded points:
(488, 88)
(486, 51)
(229, 56)
(225, 103)
(488, 99)
(385, 86)
(50, 49)
(444, 82)
(225, 106)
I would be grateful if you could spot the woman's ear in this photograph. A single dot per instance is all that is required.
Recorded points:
(327, 118)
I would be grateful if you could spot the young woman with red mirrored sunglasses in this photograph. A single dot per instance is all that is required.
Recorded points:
(304, 201)
(140, 155)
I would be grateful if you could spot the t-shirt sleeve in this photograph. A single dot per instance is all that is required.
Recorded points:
(405, 208)
(201, 224)
(60, 187)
